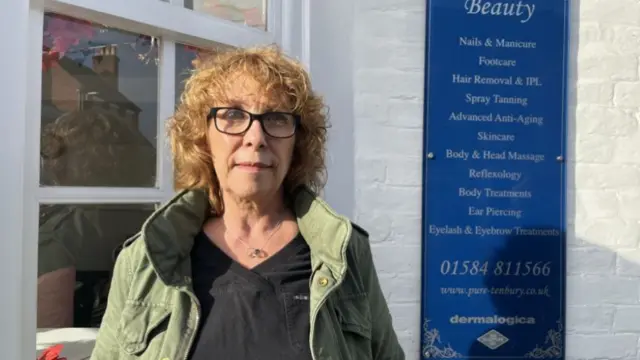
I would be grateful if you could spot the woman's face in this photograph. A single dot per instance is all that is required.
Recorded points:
(253, 164)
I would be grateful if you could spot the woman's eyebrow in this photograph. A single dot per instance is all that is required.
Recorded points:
(234, 103)
(273, 106)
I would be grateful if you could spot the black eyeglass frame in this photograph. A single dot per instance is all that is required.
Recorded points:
(254, 117)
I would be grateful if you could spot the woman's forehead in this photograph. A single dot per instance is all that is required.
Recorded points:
(247, 91)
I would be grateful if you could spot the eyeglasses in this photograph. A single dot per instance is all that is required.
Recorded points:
(234, 121)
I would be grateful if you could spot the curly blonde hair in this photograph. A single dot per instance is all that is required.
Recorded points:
(285, 79)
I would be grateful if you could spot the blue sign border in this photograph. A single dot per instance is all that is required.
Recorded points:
(563, 184)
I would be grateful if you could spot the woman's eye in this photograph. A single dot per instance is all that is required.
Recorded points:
(234, 115)
(277, 119)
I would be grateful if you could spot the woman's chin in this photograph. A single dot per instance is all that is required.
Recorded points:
(255, 190)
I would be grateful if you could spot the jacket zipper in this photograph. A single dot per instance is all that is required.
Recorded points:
(195, 331)
(322, 300)
(315, 313)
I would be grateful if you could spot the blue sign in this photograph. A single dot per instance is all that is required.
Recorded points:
(494, 193)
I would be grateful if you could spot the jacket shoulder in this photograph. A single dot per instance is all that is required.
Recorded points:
(359, 237)
(358, 258)
(361, 231)
(139, 281)
(132, 250)
(359, 248)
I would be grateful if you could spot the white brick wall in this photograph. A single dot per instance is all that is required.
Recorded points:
(604, 204)
(388, 73)
(604, 256)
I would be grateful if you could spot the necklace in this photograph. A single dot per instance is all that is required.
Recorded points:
(259, 252)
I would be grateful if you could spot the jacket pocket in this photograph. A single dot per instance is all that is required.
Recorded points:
(354, 317)
(140, 325)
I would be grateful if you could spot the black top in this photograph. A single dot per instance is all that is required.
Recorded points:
(262, 313)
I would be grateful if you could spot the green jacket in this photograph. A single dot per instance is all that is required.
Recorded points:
(153, 314)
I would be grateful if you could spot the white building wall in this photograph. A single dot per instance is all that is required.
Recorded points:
(386, 59)
(604, 254)
(389, 40)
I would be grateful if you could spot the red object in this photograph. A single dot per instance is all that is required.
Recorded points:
(52, 353)
(67, 32)
(49, 59)
(64, 32)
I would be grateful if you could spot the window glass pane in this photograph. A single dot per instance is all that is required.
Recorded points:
(247, 12)
(99, 105)
(77, 246)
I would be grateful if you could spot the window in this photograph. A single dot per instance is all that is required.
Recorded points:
(102, 77)
(92, 141)
(99, 116)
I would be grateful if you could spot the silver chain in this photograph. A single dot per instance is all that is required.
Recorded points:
(259, 252)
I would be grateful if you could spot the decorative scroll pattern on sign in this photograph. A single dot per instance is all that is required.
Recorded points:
(552, 348)
(433, 347)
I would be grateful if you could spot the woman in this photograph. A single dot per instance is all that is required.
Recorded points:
(247, 262)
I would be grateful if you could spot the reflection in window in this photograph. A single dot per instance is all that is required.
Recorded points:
(77, 247)
(99, 105)
(247, 12)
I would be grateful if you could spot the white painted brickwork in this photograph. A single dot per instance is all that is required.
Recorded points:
(604, 203)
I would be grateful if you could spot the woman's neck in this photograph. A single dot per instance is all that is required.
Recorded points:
(256, 216)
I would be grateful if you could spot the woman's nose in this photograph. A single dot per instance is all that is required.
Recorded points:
(255, 135)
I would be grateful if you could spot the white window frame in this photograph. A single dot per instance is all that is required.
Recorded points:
(20, 71)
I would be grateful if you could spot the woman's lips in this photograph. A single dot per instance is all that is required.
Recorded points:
(252, 167)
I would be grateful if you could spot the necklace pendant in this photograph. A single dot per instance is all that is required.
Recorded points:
(255, 253)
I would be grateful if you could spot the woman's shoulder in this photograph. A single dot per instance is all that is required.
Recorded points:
(359, 264)
(131, 251)
(358, 252)
(360, 231)
(359, 241)
(134, 273)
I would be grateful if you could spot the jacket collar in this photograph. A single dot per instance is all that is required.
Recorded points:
(169, 233)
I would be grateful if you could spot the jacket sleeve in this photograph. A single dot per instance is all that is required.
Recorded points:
(107, 346)
(384, 341)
